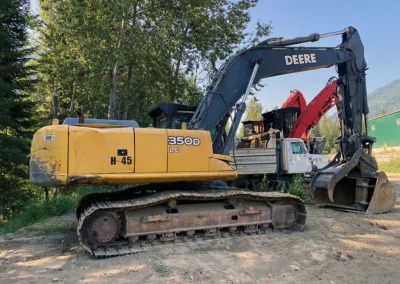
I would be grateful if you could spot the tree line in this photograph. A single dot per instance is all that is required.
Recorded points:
(116, 59)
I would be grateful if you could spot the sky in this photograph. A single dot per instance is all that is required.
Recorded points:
(376, 21)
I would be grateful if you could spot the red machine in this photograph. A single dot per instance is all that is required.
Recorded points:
(296, 99)
(312, 114)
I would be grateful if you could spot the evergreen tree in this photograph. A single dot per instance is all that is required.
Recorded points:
(16, 111)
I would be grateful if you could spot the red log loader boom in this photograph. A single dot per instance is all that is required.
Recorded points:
(296, 99)
(315, 110)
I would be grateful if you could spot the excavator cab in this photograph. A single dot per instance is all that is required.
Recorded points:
(171, 115)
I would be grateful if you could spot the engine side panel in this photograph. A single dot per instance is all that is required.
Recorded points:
(100, 150)
(151, 150)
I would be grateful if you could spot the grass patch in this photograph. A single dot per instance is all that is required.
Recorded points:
(296, 186)
(58, 229)
(265, 185)
(37, 210)
(393, 166)
(160, 269)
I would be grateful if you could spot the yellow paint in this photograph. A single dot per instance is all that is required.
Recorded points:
(99, 125)
(216, 165)
(151, 150)
(89, 155)
(93, 150)
(151, 177)
(224, 158)
(49, 155)
(183, 157)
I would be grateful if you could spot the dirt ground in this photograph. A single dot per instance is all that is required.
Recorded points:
(337, 248)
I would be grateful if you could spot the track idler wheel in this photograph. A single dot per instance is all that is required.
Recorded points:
(300, 215)
(103, 228)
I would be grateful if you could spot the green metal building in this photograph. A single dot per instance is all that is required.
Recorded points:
(386, 129)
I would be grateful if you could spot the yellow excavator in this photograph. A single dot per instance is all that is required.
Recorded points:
(181, 176)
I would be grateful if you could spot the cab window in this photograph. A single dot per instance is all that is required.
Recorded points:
(180, 118)
(297, 148)
(162, 122)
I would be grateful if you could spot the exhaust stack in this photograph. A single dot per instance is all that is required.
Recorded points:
(55, 120)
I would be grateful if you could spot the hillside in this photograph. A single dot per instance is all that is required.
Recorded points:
(387, 97)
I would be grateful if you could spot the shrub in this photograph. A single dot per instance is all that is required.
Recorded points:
(36, 210)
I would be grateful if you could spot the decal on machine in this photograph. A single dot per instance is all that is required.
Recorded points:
(126, 160)
(300, 59)
(181, 140)
(49, 137)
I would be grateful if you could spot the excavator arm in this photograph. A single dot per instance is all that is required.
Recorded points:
(273, 58)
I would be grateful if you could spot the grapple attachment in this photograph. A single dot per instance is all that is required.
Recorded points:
(346, 187)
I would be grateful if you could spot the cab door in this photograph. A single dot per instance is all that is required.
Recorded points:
(299, 161)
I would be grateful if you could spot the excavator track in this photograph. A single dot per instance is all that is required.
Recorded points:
(130, 221)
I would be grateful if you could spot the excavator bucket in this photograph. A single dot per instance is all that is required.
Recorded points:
(384, 195)
(344, 187)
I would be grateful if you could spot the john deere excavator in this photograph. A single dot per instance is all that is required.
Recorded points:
(183, 196)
